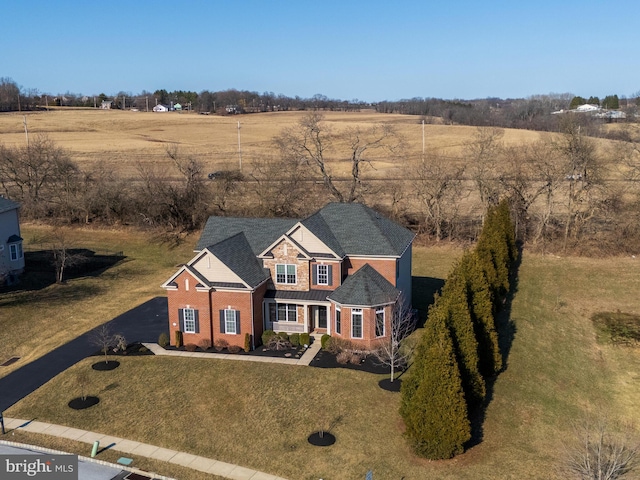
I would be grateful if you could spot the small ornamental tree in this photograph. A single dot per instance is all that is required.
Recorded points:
(104, 338)
(455, 308)
(393, 352)
(433, 406)
(480, 304)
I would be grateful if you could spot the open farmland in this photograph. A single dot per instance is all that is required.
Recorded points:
(121, 140)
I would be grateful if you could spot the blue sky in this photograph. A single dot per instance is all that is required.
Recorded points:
(370, 50)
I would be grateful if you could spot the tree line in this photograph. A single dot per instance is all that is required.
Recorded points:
(566, 193)
(459, 350)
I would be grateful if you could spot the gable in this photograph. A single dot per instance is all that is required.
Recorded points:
(309, 241)
(214, 270)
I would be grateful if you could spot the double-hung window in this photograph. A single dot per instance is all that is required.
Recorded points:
(287, 312)
(338, 325)
(323, 274)
(230, 321)
(380, 322)
(356, 323)
(15, 251)
(189, 320)
(286, 273)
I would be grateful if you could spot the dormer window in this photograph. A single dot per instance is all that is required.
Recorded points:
(286, 273)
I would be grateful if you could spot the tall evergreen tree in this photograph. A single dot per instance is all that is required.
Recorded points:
(433, 406)
(458, 318)
(481, 307)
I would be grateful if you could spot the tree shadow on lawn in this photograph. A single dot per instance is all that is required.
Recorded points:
(40, 271)
(422, 293)
(506, 335)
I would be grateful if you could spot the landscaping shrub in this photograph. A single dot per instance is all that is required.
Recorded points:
(121, 343)
(324, 341)
(247, 342)
(284, 336)
(343, 357)
(305, 339)
(178, 338)
(294, 338)
(163, 340)
(143, 349)
(234, 349)
(266, 336)
(204, 344)
(278, 343)
(190, 347)
(220, 344)
(356, 358)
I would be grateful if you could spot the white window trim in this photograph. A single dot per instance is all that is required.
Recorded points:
(192, 313)
(15, 252)
(325, 274)
(357, 312)
(338, 324)
(226, 321)
(384, 327)
(286, 305)
(286, 273)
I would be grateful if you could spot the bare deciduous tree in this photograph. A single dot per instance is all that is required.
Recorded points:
(599, 454)
(104, 338)
(63, 254)
(484, 155)
(437, 184)
(393, 352)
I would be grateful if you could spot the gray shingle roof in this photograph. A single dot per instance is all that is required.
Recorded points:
(365, 288)
(6, 204)
(311, 295)
(259, 232)
(360, 230)
(236, 253)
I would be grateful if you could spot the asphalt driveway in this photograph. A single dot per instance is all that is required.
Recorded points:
(144, 323)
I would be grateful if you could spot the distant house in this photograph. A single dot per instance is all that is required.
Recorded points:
(177, 107)
(160, 108)
(106, 104)
(588, 108)
(11, 254)
(340, 271)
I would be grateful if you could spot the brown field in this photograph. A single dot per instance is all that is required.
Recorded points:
(122, 139)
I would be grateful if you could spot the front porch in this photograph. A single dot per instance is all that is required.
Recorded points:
(297, 317)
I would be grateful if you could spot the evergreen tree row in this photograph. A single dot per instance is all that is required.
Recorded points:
(459, 349)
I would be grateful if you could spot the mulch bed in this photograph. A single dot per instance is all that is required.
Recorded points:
(80, 404)
(106, 366)
(261, 351)
(389, 386)
(325, 440)
(132, 350)
(325, 359)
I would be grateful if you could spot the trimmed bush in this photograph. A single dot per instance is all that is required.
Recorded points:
(266, 336)
(190, 347)
(284, 336)
(278, 343)
(324, 341)
(178, 338)
(305, 339)
(343, 357)
(163, 340)
(247, 342)
(204, 344)
(220, 344)
(294, 338)
(356, 358)
(234, 349)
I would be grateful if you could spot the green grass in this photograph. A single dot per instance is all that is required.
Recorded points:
(259, 415)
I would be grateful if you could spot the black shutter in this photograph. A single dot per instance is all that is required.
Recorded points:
(238, 322)
(314, 274)
(222, 329)
(181, 319)
(330, 274)
(195, 316)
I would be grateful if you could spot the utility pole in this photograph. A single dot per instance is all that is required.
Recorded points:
(26, 130)
(123, 104)
(423, 140)
(46, 99)
(147, 99)
(239, 148)
(94, 102)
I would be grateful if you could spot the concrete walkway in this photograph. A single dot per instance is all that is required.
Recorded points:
(133, 449)
(306, 358)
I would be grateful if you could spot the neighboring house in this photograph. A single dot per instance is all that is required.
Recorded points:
(160, 108)
(106, 104)
(11, 254)
(177, 107)
(340, 271)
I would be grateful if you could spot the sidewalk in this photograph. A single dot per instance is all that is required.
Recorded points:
(207, 465)
(305, 360)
